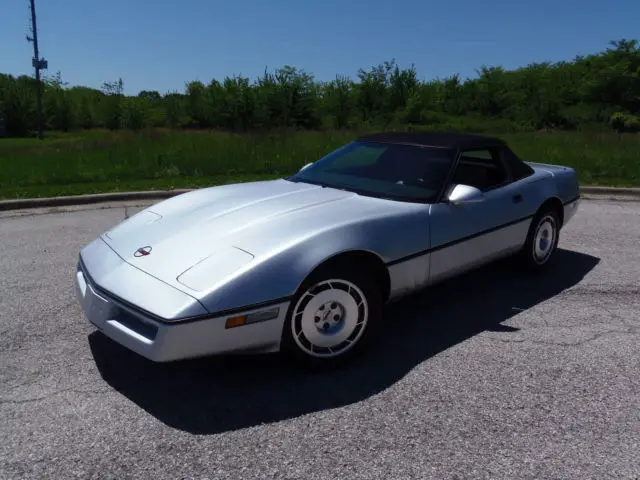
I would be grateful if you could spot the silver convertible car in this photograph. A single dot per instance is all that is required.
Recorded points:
(305, 264)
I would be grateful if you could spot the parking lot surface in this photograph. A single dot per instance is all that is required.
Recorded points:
(493, 375)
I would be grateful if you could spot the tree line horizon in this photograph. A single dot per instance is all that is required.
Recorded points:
(600, 89)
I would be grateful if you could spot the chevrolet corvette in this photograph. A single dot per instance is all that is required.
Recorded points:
(304, 265)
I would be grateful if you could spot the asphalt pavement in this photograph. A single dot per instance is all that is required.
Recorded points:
(493, 375)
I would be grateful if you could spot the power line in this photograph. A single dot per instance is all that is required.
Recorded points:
(39, 64)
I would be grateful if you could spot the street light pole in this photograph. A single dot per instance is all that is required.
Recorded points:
(38, 63)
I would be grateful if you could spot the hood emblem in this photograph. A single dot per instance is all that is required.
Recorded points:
(142, 252)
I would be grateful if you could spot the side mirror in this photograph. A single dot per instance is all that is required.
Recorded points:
(306, 166)
(462, 194)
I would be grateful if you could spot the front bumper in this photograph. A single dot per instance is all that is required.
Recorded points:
(162, 340)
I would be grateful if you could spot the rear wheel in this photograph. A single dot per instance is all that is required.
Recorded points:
(542, 239)
(332, 318)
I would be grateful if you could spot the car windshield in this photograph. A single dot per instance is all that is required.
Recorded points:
(393, 171)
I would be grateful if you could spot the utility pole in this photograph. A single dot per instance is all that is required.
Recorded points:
(39, 64)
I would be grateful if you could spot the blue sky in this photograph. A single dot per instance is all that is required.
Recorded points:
(161, 44)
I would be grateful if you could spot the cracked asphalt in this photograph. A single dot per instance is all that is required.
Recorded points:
(493, 375)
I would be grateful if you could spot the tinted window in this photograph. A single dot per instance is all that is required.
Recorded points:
(518, 168)
(394, 171)
(484, 155)
(481, 169)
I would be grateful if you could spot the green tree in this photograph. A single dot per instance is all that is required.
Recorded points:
(112, 104)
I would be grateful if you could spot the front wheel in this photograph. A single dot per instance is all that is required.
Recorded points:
(542, 240)
(332, 317)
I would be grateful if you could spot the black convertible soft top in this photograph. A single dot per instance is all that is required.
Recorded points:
(435, 139)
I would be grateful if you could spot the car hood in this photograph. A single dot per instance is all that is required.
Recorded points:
(230, 226)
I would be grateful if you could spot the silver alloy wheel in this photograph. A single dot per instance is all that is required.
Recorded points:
(329, 318)
(544, 239)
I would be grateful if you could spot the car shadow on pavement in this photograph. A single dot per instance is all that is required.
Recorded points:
(217, 394)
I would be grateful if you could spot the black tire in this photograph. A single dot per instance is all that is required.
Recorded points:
(537, 253)
(302, 317)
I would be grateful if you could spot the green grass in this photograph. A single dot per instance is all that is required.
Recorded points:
(102, 161)
(604, 159)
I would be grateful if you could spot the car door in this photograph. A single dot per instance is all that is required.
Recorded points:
(466, 236)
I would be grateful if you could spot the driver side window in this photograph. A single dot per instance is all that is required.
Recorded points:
(480, 168)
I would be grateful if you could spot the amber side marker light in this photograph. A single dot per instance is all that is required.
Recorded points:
(235, 321)
(255, 317)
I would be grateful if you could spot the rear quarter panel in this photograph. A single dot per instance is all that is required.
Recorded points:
(560, 182)
(564, 180)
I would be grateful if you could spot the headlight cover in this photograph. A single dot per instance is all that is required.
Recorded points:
(214, 269)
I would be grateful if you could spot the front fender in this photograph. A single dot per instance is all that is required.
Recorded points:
(276, 276)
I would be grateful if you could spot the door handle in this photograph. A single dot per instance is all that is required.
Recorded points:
(516, 198)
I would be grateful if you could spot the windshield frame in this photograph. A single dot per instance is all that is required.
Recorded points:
(452, 153)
